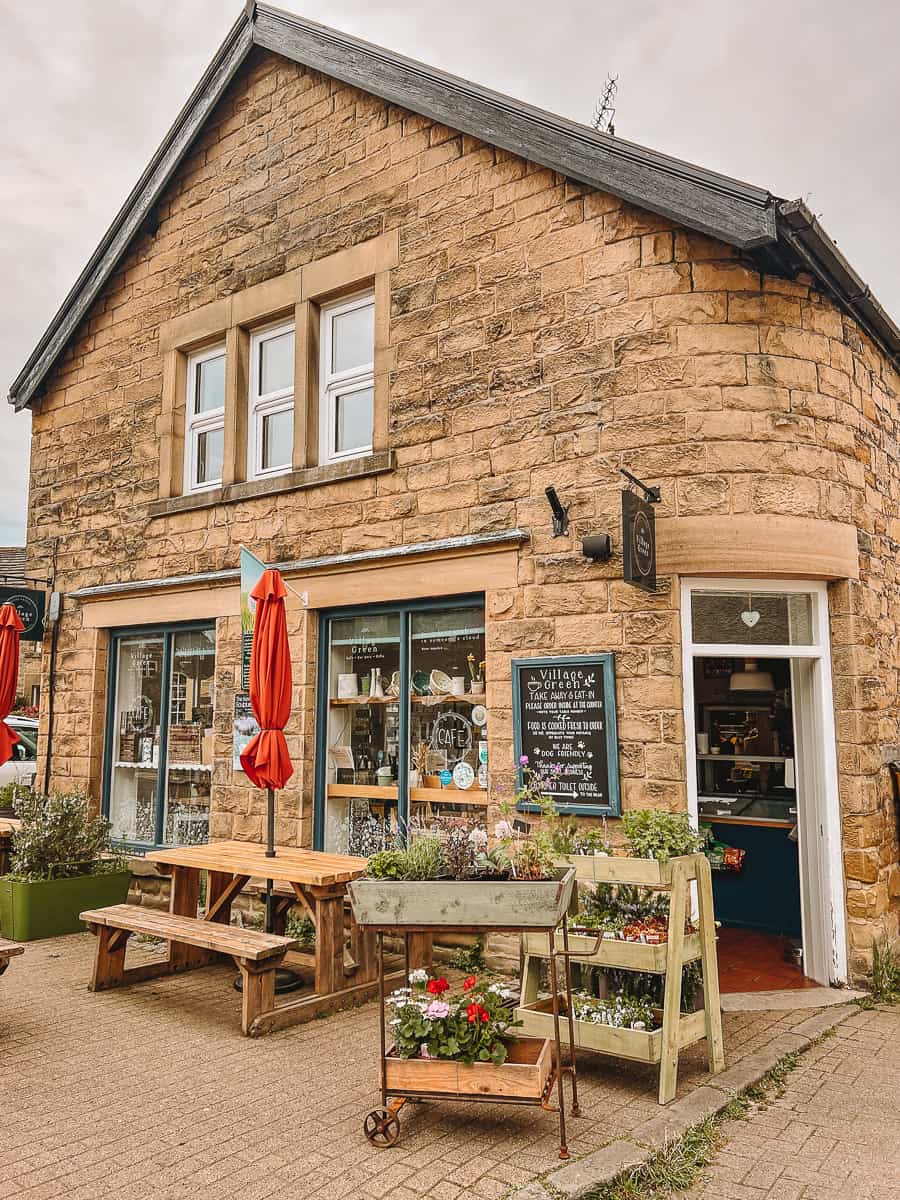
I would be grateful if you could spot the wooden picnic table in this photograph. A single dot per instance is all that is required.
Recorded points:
(315, 880)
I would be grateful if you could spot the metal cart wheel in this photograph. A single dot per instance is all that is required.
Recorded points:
(382, 1128)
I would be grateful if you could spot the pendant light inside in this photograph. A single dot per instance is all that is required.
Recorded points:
(751, 679)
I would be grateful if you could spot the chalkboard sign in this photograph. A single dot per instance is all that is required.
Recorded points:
(564, 711)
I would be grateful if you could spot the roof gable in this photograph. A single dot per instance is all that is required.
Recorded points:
(782, 237)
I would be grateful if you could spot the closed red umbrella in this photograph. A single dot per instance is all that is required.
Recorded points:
(265, 758)
(10, 628)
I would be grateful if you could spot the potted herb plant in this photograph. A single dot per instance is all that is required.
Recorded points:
(447, 876)
(62, 863)
(461, 1041)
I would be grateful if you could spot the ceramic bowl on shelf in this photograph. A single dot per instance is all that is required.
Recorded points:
(440, 682)
(419, 683)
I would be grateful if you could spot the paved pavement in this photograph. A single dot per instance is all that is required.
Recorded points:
(835, 1132)
(151, 1090)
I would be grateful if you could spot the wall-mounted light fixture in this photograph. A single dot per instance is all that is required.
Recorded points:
(560, 513)
(597, 547)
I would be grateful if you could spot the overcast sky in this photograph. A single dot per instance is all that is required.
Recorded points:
(799, 96)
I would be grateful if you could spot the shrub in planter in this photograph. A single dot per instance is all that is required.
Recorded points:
(446, 876)
(660, 835)
(62, 863)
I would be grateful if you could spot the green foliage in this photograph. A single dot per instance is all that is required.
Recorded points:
(422, 859)
(470, 958)
(885, 974)
(387, 864)
(59, 838)
(655, 833)
(425, 859)
(12, 793)
(301, 928)
(468, 1026)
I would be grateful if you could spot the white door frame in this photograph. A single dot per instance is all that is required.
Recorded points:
(823, 907)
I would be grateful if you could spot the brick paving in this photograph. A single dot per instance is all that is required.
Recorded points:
(833, 1135)
(151, 1090)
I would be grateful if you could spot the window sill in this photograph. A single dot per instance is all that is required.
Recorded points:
(291, 481)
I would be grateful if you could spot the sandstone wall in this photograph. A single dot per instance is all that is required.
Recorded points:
(541, 333)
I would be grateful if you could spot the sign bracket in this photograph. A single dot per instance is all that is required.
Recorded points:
(651, 494)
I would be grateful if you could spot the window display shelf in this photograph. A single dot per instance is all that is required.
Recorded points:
(360, 701)
(763, 758)
(142, 766)
(417, 795)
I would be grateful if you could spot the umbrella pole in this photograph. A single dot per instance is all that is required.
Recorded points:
(270, 853)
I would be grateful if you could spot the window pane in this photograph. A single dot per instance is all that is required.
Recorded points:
(447, 718)
(210, 455)
(209, 384)
(756, 619)
(363, 732)
(353, 338)
(276, 363)
(190, 738)
(353, 419)
(277, 439)
(136, 715)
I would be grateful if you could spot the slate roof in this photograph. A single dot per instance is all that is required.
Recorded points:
(781, 236)
(12, 565)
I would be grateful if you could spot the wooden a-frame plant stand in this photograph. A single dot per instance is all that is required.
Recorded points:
(678, 1029)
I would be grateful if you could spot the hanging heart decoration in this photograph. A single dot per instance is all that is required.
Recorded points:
(750, 617)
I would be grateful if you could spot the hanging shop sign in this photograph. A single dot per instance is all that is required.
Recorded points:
(638, 542)
(564, 715)
(29, 604)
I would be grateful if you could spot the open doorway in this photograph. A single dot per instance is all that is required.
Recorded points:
(762, 779)
(747, 801)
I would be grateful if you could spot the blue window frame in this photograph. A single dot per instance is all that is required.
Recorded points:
(392, 639)
(158, 758)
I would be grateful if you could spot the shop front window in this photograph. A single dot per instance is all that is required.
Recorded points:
(402, 707)
(159, 740)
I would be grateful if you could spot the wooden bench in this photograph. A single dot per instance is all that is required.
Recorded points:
(257, 955)
(8, 950)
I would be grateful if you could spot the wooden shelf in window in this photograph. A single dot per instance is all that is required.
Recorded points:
(362, 701)
(417, 795)
(763, 758)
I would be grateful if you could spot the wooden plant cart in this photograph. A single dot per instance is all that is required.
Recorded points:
(677, 1030)
(533, 1065)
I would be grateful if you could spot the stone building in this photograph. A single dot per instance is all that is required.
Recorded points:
(357, 316)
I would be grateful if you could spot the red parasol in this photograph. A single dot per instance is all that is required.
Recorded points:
(265, 758)
(10, 628)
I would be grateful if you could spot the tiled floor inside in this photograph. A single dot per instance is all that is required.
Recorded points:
(755, 962)
(151, 1090)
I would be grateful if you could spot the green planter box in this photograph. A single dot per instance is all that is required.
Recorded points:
(49, 908)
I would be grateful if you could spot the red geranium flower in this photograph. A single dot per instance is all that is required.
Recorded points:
(474, 1012)
(469, 983)
(437, 986)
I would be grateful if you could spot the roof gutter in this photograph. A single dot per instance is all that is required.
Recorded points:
(818, 254)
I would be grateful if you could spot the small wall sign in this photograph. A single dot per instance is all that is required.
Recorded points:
(564, 712)
(29, 604)
(638, 542)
